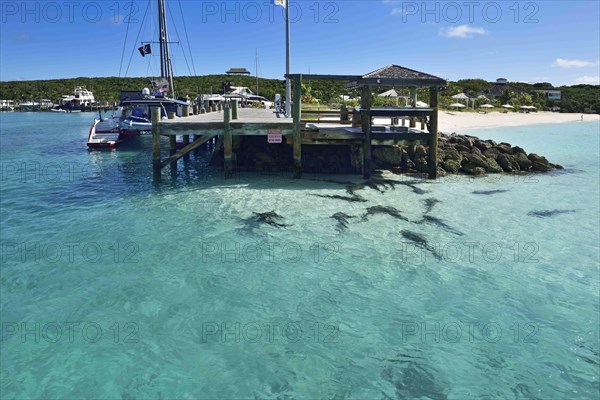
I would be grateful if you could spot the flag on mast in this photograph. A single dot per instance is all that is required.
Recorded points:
(282, 3)
(145, 49)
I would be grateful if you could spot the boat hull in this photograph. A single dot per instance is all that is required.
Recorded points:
(105, 134)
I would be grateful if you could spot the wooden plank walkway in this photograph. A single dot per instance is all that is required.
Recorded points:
(250, 121)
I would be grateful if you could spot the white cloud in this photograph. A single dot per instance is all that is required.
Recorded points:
(463, 31)
(23, 37)
(588, 80)
(396, 11)
(563, 63)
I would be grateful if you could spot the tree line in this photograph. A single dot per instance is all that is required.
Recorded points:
(578, 98)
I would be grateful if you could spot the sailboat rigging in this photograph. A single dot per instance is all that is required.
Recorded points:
(132, 118)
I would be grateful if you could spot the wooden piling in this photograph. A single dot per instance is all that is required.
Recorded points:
(186, 141)
(227, 144)
(297, 116)
(234, 109)
(344, 114)
(206, 106)
(186, 111)
(365, 108)
(413, 103)
(173, 150)
(156, 142)
(433, 129)
(171, 115)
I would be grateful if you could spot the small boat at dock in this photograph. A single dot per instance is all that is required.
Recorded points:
(104, 133)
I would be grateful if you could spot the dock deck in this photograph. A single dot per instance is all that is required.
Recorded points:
(250, 121)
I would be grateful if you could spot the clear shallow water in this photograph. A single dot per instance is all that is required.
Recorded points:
(114, 287)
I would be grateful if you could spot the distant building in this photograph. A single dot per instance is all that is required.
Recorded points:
(500, 87)
(552, 94)
(238, 71)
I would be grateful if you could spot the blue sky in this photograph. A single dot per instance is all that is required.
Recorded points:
(555, 41)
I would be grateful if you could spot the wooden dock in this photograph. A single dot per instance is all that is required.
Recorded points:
(233, 121)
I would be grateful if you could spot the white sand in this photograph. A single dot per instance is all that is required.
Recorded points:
(459, 121)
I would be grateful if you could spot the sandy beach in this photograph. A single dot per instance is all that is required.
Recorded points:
(459, 121)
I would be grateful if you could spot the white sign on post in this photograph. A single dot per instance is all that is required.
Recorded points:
(274, 136)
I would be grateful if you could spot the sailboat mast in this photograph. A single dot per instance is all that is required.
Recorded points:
(161, 37)
(166, 69)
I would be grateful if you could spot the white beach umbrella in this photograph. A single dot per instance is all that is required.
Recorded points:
(422, 104)
(460, 96)
(486, 106)
(457, 105)
(507, 106)
(390, 93)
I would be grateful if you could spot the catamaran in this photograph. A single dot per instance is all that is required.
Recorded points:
(133, 116)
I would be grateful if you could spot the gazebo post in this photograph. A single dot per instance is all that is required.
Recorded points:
(433, 129)
(366, 101)
(297, 117)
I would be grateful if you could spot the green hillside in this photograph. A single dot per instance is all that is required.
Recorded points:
(578, 98)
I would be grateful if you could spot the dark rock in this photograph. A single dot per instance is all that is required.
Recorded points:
(441, 155)
(488, 164)
(504, 148)
(455, 139)
(492, 166)
(483, 145)
(508, 163)
(452, 154)
(421, 164)
(534, 157)
(476, 151)
(473, 169)
(467, 142)
(420, 152)
(517, 150)
(491, 153)
(462, 149)
(541, 167)
(523, 161)
(388, 155)
(451, 166)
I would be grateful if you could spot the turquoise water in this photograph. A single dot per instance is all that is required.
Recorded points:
(115, 287)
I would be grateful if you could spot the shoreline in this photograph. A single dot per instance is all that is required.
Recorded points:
(450, 122)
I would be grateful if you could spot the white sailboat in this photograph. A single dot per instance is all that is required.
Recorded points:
(133, 117)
